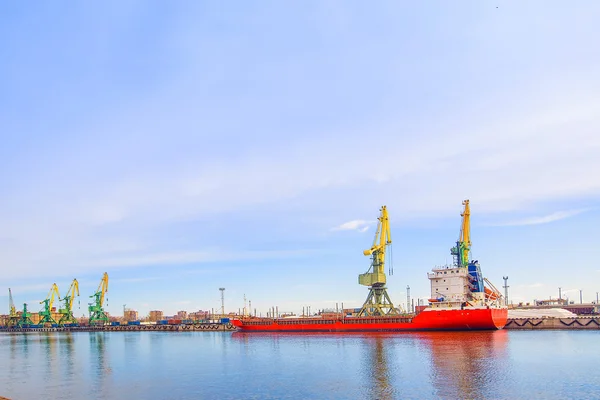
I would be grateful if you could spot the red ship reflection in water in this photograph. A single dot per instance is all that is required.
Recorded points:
(448, 365)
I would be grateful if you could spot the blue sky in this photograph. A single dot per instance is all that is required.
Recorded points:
(183, 148)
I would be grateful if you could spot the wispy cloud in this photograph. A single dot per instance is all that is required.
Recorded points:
(556, 216)
(355, 225)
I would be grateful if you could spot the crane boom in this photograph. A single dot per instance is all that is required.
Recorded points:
(103, 287)
(71, 293)
(50, 298)
(463, 245)
(11, 304)
(383, 238)
(465, 231)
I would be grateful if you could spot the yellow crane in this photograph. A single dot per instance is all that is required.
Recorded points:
(67, 316)
(378, 301)
(46, 314)
(463, 245)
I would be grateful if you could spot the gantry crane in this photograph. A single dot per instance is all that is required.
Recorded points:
(13, 318)
(46, 314)
(25, 319)
(463, 245)
(67, 316)
(97, 313)
(378, 301)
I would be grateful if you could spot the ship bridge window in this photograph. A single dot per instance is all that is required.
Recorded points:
(445, 272)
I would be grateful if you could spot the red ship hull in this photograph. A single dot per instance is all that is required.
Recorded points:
(434, 320)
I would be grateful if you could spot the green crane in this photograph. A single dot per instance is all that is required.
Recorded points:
(97, 313)
(13, 318)
(67, 316)
(46, 314)
(25, 319)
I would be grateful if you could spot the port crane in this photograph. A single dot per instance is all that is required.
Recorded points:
(46, 314)
(67, 316)
(13, 318)
(97, 313)
(481, 288)
(25, 319)
(378, 301)
(463, 245)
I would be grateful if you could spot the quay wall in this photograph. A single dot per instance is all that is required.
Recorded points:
(575, 323)
(208, 327)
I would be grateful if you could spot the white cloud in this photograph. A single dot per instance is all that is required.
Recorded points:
(557, 216)
(355, 225)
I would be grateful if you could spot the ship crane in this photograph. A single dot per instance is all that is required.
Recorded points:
(378, 301)
(67, 316)
(463, 245)
(97, 313)
(461, 252)
(46, 314)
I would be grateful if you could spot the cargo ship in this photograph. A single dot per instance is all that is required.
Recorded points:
(461, 298)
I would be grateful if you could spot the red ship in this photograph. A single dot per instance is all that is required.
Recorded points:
(461, 298)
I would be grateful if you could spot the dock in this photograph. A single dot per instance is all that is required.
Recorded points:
(203, 327)
(574, 323)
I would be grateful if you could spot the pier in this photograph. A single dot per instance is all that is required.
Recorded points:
(575, 323)
(203, 327)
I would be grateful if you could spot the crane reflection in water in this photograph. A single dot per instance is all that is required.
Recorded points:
(377, 368)
(465, 364)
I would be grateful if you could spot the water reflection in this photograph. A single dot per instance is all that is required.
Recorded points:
(66, 349)
(465, 364)
(377, 368)
(49, 348)
(99, 357)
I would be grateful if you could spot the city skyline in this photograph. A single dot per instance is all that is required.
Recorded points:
(251, 147)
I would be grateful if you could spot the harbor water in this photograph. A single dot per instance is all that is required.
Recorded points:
(223, 365)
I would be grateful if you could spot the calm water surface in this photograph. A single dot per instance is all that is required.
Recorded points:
(214, 365)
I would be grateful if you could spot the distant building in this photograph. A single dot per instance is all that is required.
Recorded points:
(182, 315)
(199, 315)
(155, 315)
(130, 315)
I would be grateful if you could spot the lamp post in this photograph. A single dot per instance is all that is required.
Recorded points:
(222, 301)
